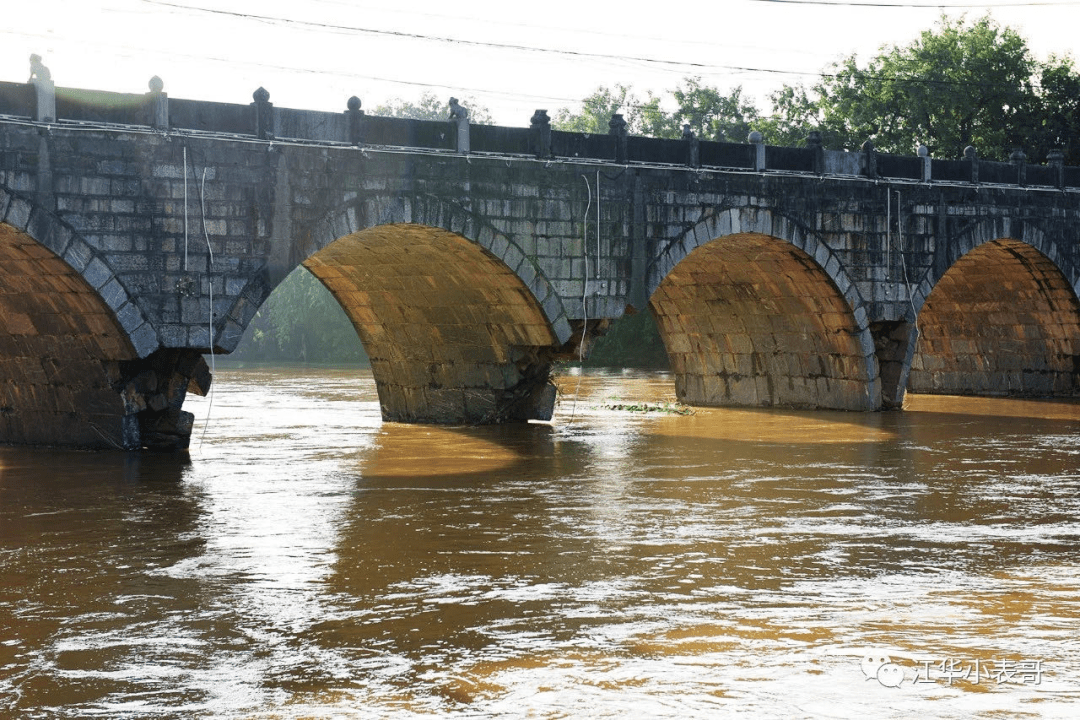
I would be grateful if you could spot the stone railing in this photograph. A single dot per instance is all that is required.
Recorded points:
(40, 101)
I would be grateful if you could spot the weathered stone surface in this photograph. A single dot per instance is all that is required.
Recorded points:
(1002, 321)
(467, 276)
(443, 322)
(751, 321)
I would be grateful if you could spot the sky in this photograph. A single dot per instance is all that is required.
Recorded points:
(509, 57)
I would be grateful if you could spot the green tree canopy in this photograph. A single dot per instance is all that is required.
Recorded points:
(430, 107)
(1055, 119)
(301, 322)
(710, 113)
(642, 117)
(959, 84)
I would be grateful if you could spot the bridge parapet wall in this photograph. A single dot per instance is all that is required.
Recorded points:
(263, 120)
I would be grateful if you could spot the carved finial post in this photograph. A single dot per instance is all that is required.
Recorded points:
(813, 142)
(869, 159)
(927, 163)
(757, 142)
(1056, 160)
(972, 156)
(540, 134)
(459, 118)
(693, 147)
(157, 105)
(356, 120)
(44, 90)
(617, 128)
(264, 114)
(1019, 159)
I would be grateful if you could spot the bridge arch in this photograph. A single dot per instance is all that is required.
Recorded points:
(1003, 318)
(79, 363)
(754, 311)
(434, 212)
(459, 324)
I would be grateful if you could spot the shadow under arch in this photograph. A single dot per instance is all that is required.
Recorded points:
(453, 334)
(1001, 320)
(750, 319)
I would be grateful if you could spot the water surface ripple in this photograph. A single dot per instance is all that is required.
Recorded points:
(309, 561)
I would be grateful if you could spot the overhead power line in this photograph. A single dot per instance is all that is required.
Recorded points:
(459, 41)
(924, 6)
(694, 66)
(688, 67)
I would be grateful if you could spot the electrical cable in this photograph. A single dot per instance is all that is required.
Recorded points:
(903, 266)
(908, 5)
(185, 210)
(584, 295)
(431, 38)
(696, 66)
(210, 286)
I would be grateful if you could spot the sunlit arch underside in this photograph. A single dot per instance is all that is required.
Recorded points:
(750, 320)
(1003, 320)
(59, 348)
(454, 336)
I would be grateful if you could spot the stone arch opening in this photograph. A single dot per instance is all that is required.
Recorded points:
(751, 320)
(452, 333)
(69, 373)
(1003, 320)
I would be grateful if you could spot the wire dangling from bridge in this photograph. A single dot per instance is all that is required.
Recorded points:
(888, 233)
(597, 228)
(584, 291)
(210, 288)
(903, 267)
(185, 209)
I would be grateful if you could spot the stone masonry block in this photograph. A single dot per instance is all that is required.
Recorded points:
(97, 273)
(561, 326)
(114, 294)
(145, 340)
(733, 222)
(527, 272)
(130, 318)
(18, 213)
(513, 257)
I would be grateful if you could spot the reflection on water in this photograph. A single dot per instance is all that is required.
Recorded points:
(311, 561)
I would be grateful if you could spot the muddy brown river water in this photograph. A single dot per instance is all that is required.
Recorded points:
(307, 560)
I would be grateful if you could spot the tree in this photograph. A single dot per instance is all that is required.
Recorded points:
(957, 85)
(1055, 121)
(430, 107)
(301, 322)
(597, 109)
(709, 113)
(794, 115)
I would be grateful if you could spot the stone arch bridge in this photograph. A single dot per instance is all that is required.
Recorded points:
(139, 232)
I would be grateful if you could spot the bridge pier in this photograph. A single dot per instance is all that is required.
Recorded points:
(69, 375)
(153, 391)
(894, 346)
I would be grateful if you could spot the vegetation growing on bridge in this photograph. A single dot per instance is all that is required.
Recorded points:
(961, 83)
